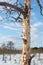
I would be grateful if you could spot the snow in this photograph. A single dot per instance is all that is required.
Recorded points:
(16, 59)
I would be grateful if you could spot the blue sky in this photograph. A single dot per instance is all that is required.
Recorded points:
(13, 31)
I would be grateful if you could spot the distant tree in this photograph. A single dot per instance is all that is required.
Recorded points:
(3, 49)
(10, 46)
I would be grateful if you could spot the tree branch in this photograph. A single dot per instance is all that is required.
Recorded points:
(11, 6)
(40, 6)
(31, 57)
(38, 1)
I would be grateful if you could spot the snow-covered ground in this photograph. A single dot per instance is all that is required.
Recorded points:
(37, 60)
(16, 60)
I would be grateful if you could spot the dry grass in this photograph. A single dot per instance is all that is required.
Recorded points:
(33, 50)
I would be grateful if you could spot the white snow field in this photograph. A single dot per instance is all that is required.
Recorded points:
(17, 60)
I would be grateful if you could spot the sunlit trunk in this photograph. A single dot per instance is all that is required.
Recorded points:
(26, 34)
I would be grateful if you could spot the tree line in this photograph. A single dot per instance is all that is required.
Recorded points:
(9, 48)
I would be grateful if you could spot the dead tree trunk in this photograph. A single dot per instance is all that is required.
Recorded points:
(3, 56)
(26, 34)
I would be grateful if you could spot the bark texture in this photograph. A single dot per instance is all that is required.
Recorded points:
(26, 34)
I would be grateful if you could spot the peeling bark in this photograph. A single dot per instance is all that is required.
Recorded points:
(26, 34)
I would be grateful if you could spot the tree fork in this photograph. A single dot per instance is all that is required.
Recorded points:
(26, 34)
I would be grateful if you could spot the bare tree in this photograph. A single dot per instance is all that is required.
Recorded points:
(10, 46)
(3, 49)
(25, 11)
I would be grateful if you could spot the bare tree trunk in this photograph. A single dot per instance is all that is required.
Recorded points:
(26, 34)
(3, 56)
(10, 54)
